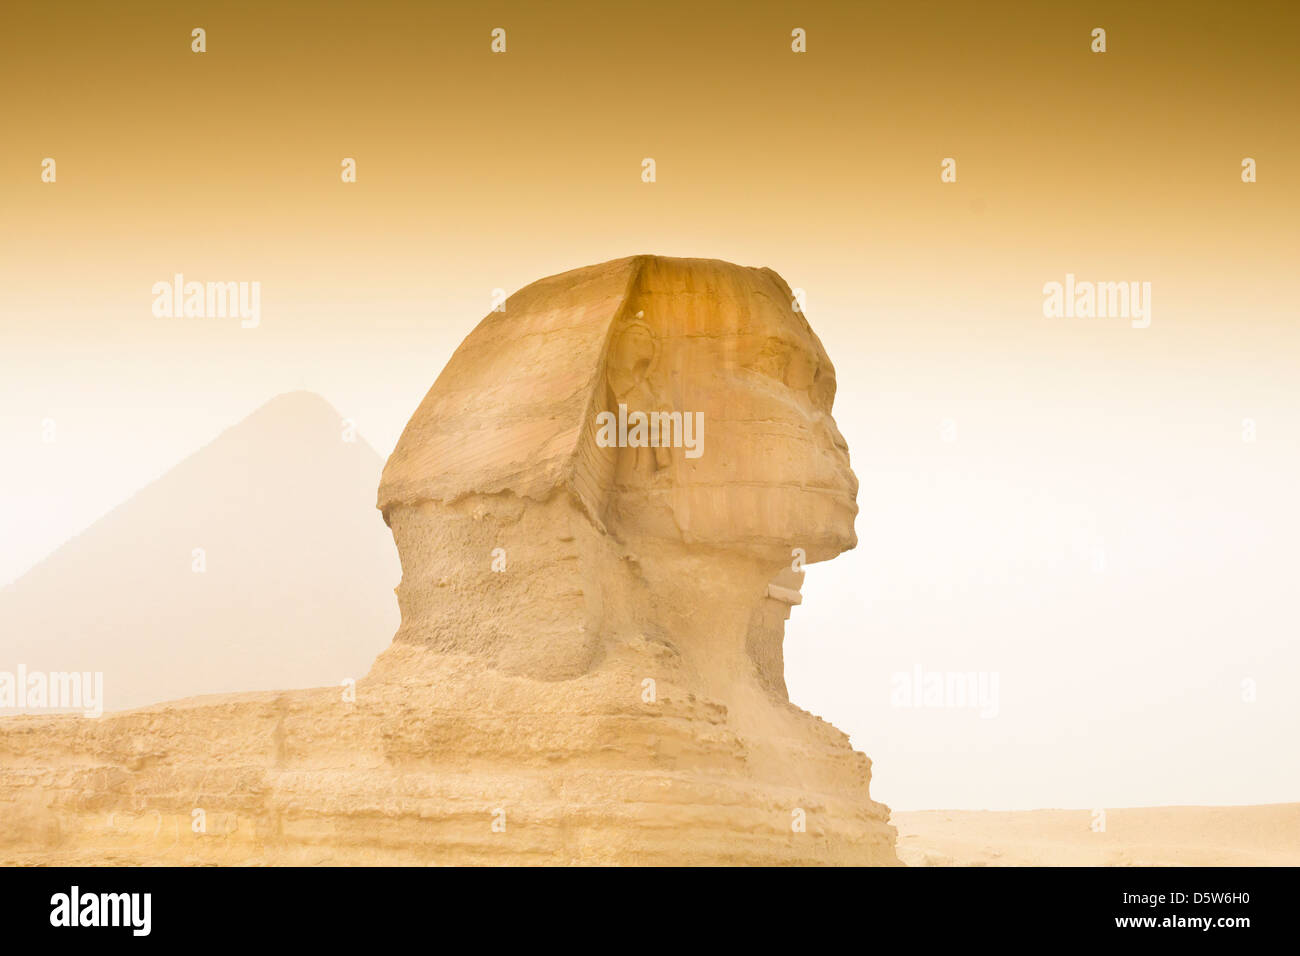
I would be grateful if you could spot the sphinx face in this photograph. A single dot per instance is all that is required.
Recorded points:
(769, 471)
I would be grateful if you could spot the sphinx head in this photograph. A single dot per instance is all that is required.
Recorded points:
(706, 348)
(720, 348)
(670, 409)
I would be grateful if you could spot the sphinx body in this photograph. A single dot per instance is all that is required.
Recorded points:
(589, 667)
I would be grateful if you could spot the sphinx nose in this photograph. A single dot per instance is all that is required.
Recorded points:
(836, 437)
(852, 481)
(832, 432)
(832, 437)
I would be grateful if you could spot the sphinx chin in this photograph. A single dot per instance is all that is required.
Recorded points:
(589, 667)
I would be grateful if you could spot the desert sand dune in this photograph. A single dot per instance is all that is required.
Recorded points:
(1267, 835)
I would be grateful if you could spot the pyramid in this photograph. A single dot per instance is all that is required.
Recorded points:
(257, 562)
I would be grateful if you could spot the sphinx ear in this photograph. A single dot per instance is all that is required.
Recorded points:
(631, 357)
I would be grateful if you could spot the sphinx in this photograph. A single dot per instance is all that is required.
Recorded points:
(589, 667)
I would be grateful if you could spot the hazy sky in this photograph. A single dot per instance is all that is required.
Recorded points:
(1071, 503)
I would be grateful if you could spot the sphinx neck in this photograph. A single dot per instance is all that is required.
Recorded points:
(713, 608)
(536, 589)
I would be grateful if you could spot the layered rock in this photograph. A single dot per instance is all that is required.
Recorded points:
(589, 664)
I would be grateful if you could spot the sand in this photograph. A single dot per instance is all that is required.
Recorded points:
(1267, 835)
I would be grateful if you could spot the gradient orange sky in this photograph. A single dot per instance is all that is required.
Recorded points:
(478, 171)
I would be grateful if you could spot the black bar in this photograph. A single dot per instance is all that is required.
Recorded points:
(330, 907)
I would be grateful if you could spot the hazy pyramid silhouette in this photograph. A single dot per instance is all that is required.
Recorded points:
(298, 586)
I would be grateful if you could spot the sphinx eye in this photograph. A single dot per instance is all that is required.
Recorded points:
(800, 371)
(794, 367)
(769, 360)
(823, 389)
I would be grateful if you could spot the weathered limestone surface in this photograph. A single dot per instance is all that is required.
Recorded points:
(589, 666)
